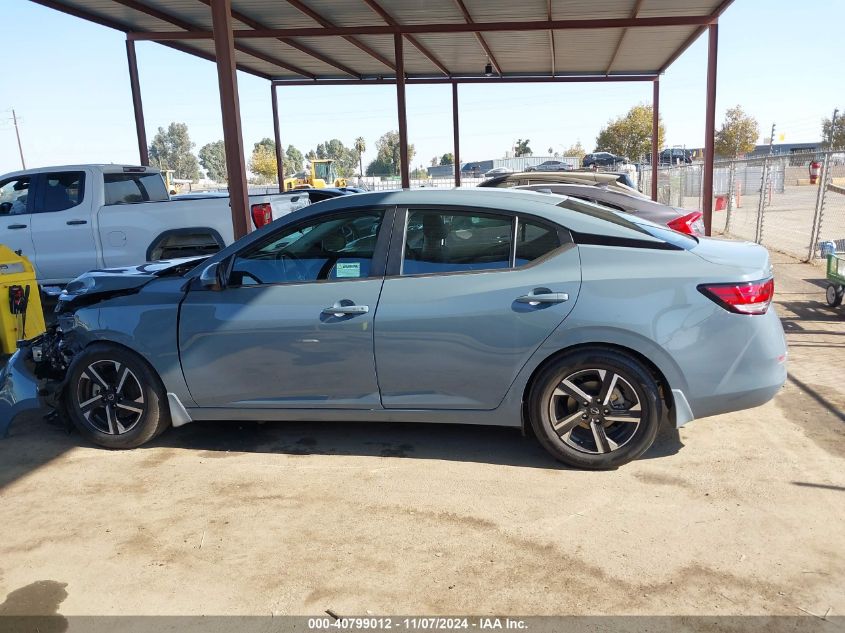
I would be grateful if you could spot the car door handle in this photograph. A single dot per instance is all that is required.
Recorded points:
(543, 296)
(75, 222)
(342, 309)
(16, 226)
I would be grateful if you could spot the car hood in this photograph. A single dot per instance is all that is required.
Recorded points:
(99, 284)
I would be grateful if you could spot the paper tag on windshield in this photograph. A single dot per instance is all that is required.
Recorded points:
(348, 269)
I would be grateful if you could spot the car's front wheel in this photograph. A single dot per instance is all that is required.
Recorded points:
(114, 398)
(595, 409)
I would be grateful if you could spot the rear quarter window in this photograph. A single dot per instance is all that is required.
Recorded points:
(132, 188)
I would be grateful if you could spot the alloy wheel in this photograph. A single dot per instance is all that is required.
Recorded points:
(595, 411)
(110, 397)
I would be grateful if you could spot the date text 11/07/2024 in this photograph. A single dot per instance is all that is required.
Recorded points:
(375, 623)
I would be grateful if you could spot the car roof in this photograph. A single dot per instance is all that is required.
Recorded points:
(109, 168)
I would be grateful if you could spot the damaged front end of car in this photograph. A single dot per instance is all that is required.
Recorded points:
(34, 379)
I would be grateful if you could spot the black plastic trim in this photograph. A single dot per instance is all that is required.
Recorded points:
(624, 242)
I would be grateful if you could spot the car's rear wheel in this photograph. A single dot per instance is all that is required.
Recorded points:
(595, 409)
(115, 398)
(833, 294)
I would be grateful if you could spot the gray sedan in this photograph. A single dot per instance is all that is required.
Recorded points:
(466, 306)
(675, 218)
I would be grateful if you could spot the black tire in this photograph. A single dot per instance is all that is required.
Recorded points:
(115, 398)
(623, 413)
(833, 295)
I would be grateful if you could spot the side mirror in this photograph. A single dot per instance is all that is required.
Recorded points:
(5, 208)
(211, 278)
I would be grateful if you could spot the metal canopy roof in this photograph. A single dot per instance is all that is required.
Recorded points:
(319, 41)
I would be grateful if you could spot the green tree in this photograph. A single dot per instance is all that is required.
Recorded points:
(360, 148)
(522, 149)
(171, 149)
(345, 158)
(447, 159)
(837, 133)
(576, 150)
(388, 158)
(293, 161)
(630, 135)
(419, 173)
(738, 134)
(262, 163)
(213, 159)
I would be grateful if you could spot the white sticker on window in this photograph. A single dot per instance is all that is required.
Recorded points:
(348, 269)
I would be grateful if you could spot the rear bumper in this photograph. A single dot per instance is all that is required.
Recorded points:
(755, 373)
(19, 390)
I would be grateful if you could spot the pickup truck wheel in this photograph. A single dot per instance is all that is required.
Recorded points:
(114, 398)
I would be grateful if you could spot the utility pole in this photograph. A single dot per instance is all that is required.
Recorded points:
(833, 125)
(18, 134)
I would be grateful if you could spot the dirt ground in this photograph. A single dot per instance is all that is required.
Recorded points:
(738, 514)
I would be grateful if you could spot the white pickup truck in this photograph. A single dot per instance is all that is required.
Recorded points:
(72, 219)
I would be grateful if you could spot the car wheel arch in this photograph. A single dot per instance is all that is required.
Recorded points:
(653, 369)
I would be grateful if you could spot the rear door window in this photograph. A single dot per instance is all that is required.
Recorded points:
(131, 188)
(61, 190)
(453, 241)
(441, 242)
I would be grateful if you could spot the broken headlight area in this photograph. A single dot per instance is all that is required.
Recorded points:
(52, 354)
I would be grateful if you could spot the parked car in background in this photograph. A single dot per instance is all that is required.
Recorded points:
(498, 171)
(476, 306)
(575, 177)
(71, 219)
(550, 165)
(681, 220)
(672, 156)
(602, 159)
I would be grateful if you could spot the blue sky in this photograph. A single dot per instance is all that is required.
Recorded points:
(779, 59)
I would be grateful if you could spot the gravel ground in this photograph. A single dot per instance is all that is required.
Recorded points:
(737, 514)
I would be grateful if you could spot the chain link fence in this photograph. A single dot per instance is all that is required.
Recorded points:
(792, 203)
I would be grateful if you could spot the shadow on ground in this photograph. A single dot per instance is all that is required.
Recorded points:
(34, 442)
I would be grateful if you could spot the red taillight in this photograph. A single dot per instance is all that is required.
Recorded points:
(690, 224)
(751, 297)
(262, 214)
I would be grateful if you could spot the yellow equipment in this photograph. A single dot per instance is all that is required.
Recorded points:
(322, 174)
(21, 315)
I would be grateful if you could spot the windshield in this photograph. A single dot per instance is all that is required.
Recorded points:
(325, 171)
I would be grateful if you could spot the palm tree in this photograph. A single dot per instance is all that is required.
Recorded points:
(521, 148)
(360, 147)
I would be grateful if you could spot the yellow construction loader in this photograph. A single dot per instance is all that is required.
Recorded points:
(321, 174)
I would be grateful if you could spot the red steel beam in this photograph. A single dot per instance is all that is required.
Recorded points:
(280, 162)
(468, 19)
(404, 167)
(125, 28)
(254, 24)
(349, 37)
(375, 6)
(637, 5)
(655, 137)
(137, 104)
(450, 27)
(551, 36)
(456, 151)
(695, 35)
(193, 28)
(224, 49)
(710, 128)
